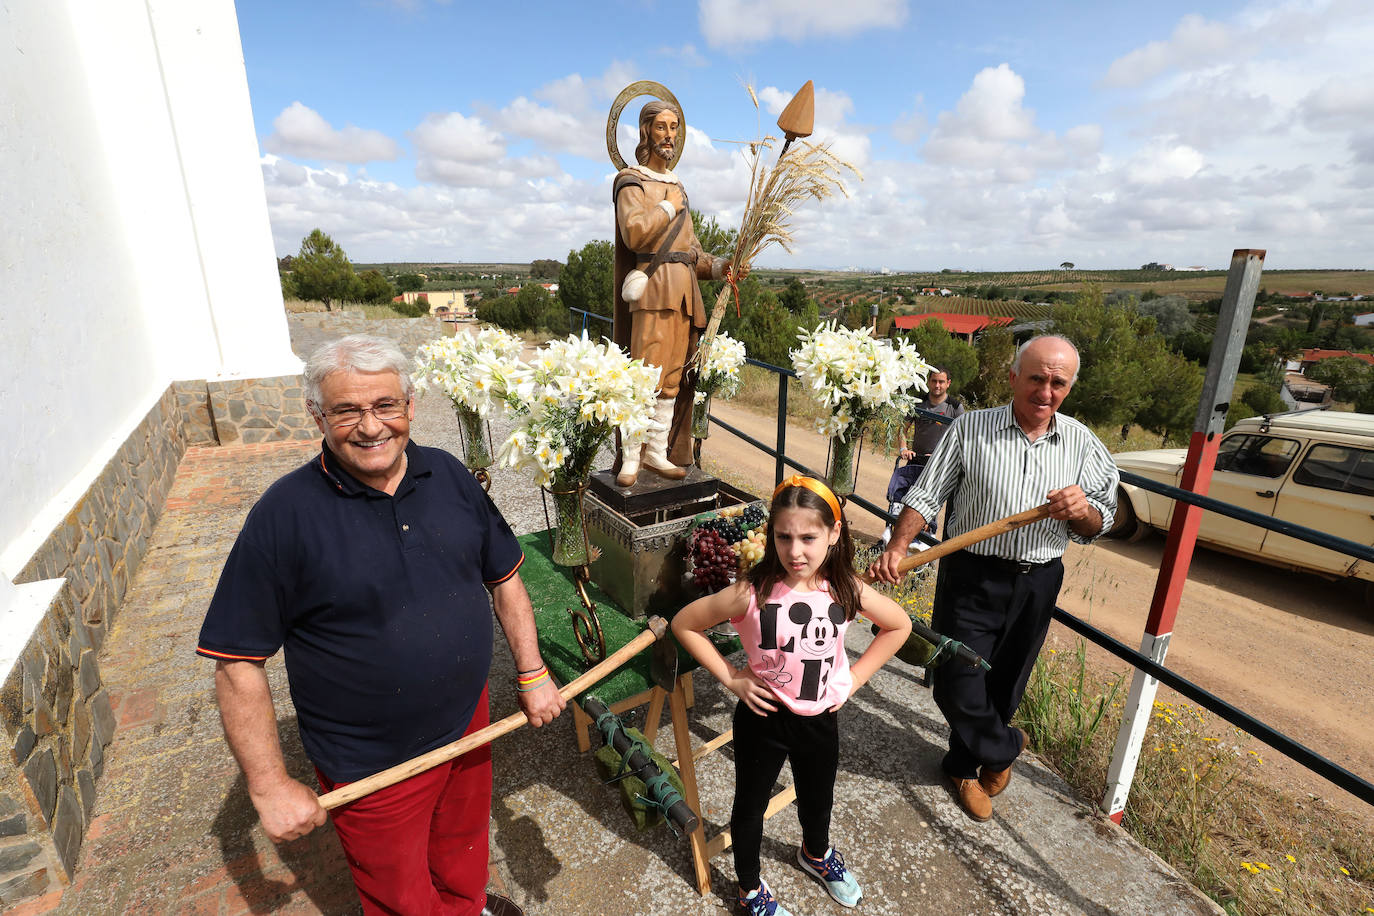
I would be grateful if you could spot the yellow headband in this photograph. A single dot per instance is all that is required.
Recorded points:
(815, 486)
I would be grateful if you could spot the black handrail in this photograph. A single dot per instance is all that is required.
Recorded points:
(586, 314)
(1300, 753)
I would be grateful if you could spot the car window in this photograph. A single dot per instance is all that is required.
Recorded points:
(1261, 456)
(1338, 467)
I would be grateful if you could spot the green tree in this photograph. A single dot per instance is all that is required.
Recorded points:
(321, 270)
(585, 283)
(545, 268)
(940, 348)
(992, 386)
(1119, 356)
(713, 238)
(793, 296)
(1348, 377)
(767, 330)
(409, 283)
(373, 287)
(1171, 314)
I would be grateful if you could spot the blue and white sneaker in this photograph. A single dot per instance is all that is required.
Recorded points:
(762, 902)
(830, 871)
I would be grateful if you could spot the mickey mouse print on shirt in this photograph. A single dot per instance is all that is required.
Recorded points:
(795, 643)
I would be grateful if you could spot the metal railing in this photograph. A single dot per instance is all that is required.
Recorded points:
(585, 315)
(1301, 754)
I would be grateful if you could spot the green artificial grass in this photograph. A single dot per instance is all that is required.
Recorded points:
(553, 594)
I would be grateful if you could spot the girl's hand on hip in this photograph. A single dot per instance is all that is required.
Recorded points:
(746, 685)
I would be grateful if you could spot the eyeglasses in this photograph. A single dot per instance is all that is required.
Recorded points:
(344, 417)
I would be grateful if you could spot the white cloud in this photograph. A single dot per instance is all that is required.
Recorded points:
(990, 129)
(458, 138)
(1341, 103)
(688, 55)
(744, 22)
(1196, 43)
(300, 131)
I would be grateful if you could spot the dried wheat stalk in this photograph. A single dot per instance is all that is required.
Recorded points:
(804, 171)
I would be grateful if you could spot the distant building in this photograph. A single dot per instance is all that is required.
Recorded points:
(961, 326)
(1311, 357)
(1365, 320)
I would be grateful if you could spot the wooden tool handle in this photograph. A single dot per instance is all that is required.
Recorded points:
(416, 765)
(981, 533)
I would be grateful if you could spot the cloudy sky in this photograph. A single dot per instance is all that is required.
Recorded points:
(991, 136)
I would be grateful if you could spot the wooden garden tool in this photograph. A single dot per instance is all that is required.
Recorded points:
(955, 648)
(981, 533)
(658, 627)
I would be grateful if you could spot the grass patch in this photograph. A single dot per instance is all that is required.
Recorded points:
(1199, 800)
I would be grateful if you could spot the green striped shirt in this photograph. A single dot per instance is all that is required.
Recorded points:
(987, 468)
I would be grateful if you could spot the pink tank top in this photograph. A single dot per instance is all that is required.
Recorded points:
(795, 643)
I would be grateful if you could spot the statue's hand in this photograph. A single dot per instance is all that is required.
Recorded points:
(675, 197)
(732, 275)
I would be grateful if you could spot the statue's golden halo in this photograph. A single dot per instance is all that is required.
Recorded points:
(632, 91)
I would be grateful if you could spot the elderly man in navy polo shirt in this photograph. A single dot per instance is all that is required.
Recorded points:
(371, 566)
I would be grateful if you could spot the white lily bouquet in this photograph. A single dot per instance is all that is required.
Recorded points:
(719, 374)
(468, 368)
(859, 380)
(567, 401)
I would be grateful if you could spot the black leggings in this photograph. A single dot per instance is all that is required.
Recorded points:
(761, 744)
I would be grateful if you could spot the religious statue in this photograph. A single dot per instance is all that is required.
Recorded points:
(658, 309)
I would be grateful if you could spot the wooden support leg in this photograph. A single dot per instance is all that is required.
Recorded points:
(581, 722)
(687, 769)
(655, 713)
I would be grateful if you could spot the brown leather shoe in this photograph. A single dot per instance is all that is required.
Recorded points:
(972, 798)
(501, 906)
(994, 781)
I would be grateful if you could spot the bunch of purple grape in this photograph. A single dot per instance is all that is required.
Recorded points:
(714, 561)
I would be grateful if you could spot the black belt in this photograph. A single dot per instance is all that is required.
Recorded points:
(1013, 567)
(677, 257)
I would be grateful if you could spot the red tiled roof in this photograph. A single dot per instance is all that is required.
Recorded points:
(1316, 356)
(955, 324)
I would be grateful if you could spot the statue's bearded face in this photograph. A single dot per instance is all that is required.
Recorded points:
(663, 135)
(658, 145)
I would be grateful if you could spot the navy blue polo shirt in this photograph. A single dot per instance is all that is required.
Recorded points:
(380, 603)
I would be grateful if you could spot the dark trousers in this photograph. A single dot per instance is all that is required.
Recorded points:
(1003, 614)
(761, 744)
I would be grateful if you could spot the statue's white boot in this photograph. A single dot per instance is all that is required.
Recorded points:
(656, 450)
(629, 466)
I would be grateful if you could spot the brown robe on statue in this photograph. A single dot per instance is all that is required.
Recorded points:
(662, 325)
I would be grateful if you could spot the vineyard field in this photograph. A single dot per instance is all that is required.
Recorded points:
(964, 305)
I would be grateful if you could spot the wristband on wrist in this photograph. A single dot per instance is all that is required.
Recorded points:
(530, 670)
(525, 683)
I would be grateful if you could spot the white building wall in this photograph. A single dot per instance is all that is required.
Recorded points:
(135, 248)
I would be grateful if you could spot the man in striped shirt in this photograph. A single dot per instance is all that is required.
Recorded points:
(996, 596)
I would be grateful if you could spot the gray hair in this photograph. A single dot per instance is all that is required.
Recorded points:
(1078, 360)
(355, 353)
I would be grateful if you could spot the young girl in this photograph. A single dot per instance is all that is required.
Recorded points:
(791, 613)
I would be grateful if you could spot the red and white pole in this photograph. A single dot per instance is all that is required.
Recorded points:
(1232, 323)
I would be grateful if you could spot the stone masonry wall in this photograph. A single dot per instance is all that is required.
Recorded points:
(260, 410)
(53, 705)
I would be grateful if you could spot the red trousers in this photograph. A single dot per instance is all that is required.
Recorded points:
(419, 848)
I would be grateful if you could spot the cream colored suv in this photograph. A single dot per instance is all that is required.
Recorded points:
(1315, 469)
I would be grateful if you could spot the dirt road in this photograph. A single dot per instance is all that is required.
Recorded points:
(1293, 650)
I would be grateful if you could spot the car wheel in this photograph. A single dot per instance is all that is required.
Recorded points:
(1125, 524)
